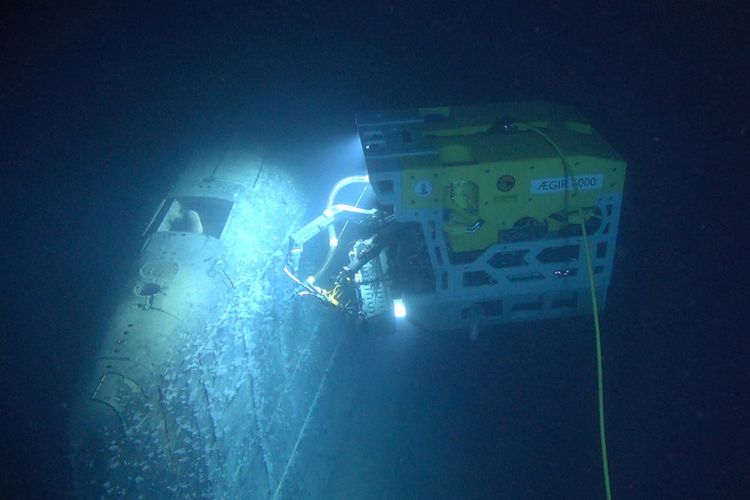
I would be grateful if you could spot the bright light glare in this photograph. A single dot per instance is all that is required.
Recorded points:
(399, 309)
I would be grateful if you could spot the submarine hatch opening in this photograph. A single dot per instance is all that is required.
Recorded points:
(192, 214)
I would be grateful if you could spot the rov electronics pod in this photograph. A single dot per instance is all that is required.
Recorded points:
(480, 217)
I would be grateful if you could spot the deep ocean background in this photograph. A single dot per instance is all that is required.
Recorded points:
(101, 105)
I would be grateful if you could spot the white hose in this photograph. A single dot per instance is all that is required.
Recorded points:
(332, 236)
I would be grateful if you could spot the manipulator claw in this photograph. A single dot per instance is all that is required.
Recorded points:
(345, 276)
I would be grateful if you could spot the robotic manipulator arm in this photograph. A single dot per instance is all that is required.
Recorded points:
(336, 295)
(322, 222)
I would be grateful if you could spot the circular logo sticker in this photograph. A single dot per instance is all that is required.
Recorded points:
(506, 182)
(423, 188)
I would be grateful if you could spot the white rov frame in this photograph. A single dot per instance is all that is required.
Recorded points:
(532, 289)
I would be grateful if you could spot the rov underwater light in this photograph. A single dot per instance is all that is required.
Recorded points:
(399, 308)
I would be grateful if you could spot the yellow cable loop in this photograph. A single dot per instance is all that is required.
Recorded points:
(592, 287)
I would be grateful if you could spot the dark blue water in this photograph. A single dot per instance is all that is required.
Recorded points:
(101, 105)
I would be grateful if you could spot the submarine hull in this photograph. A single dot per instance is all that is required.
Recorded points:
(206, 371)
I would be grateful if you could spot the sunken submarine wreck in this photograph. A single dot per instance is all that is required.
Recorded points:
(206, 371)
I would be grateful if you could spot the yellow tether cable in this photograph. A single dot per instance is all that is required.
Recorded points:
(599, 373)
(592, 287)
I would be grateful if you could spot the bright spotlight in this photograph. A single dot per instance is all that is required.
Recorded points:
(399, 309)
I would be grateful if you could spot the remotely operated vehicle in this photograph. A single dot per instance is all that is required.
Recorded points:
(480, 218)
